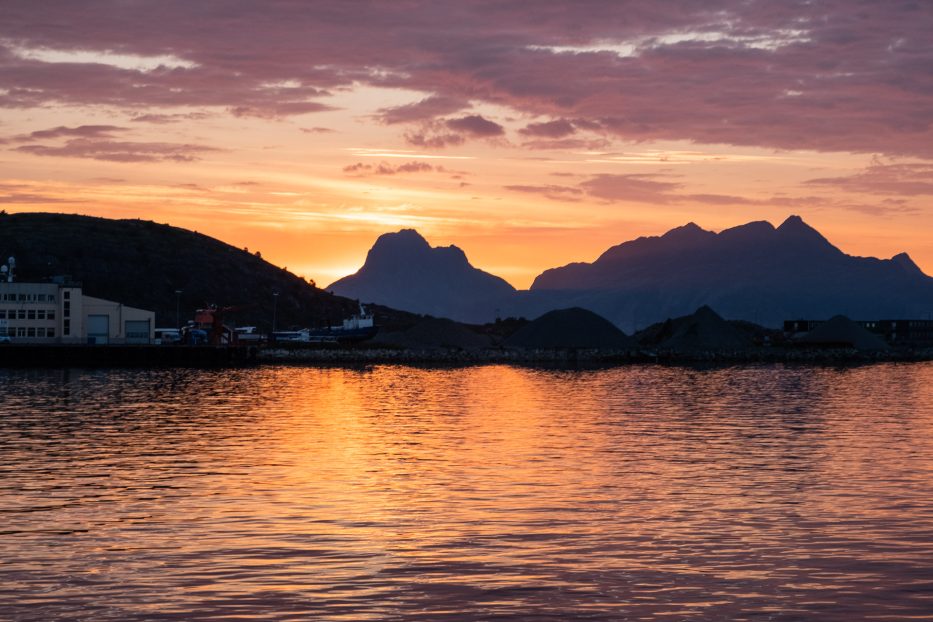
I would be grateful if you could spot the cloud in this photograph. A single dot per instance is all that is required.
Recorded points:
(161, 119)
(118, 151)
(475, 125)
(317, 130)
(658, 190)
(25, 198)
(433, 141)
(278, 110)
(631, 187)
(384, 168)
(559, 128)
(551, 191)
(425, 110)
(595, 144)
(97, 142)
(793, 75)
(81, 131)
(915, 179)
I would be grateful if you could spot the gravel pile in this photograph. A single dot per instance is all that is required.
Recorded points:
(432, 333)
(840, 331)
(702, 330)
(569, 328)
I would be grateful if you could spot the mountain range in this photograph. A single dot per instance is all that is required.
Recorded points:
(754, 272)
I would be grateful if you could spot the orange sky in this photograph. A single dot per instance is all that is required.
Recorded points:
(308, 162)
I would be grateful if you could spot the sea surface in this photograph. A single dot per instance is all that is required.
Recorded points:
(473, 494)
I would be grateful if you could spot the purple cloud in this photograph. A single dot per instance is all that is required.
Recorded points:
(898, 179)
(161, 119)
(559, 128)
(384, 168)
(116, 151)
(434, 141)
(632, 187)
(25, 198)
(425, 110)
(476, 125)
(551, 191)
(82, 131)
(795, 75)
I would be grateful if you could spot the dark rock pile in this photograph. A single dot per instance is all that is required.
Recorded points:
(569, 328)
(431, 333)
(841, 332)
(702, 330)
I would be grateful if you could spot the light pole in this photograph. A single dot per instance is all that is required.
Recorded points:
(177, 308)
(275, 304)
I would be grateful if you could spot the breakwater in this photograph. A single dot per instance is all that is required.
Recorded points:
(61, 355)
(571, 356)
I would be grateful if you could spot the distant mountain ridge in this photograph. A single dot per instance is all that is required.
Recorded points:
(752, 272)
(403, 269)
(755, 272)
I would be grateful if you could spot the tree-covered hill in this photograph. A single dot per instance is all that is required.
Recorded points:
(142, 264)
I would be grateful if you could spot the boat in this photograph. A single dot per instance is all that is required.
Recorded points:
(359, 327)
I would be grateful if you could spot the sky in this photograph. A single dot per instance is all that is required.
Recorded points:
(529, 133)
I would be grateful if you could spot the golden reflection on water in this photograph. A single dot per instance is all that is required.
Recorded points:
(398, 493)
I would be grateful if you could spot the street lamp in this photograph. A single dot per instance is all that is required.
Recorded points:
(177, 307)
(275, 304)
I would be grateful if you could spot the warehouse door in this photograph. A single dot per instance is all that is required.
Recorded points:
(136, 331)
(98, 329)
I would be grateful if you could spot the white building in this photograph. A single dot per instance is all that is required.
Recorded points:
(60, 313)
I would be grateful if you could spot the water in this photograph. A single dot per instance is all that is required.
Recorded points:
(487, 493)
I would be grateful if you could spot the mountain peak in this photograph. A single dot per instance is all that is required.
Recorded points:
(904, 261)
(687, 232)
(799, 233)
(402, 238)
(794, 223)
(404, 271)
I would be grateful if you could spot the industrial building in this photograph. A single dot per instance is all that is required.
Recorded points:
(59, 312)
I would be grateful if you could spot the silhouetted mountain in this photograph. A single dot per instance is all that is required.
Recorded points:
(403, 271)
(142, 264)
(754, 272)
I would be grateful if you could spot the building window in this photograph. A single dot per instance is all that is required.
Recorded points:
(21, 331)
(50, 314)
(40, 297)
(22, 297)
(50, 332)
(40, 314)
(66, 295)
(21, 314)
(40, 332)
(31, 331)
(31, 314)
(66, 327)
(66, 309)
(51, 297)
(2, 314)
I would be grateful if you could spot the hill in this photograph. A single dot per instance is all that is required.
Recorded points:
(142, 264)
(403, 271)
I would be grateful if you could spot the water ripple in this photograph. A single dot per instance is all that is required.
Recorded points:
(487, 493)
